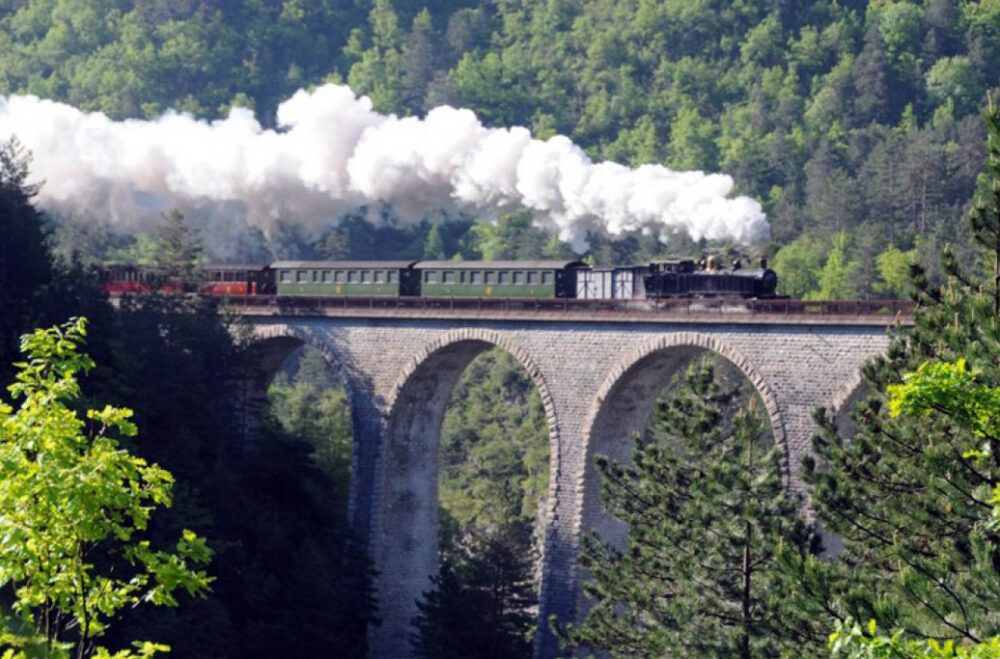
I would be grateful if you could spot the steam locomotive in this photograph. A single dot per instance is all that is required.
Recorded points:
(437, 279)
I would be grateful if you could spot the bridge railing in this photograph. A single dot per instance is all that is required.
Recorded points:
(670, 306)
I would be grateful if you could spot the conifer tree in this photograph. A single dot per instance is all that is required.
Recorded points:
(481, 599)
(434, 244)
(179, 247)
(708, 515)
(908, 496)
(25, 260)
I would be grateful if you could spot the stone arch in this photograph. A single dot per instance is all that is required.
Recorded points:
(279, 341)
(405, 544)
(275, 343)
(625, 401)
(476, 334)
(850, 393)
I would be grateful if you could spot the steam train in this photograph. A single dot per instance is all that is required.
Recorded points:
(444, 279)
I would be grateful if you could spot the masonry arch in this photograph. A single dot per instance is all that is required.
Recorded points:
(624, 404)
(273, 345)
(405, 546)
(842, 405)
(841, 410)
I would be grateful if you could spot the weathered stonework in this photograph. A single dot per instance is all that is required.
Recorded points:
(598, 381)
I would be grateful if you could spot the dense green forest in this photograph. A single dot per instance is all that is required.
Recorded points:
(854, 123)
(288, 579)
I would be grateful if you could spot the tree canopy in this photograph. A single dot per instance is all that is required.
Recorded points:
(75, 506)
(856, 117)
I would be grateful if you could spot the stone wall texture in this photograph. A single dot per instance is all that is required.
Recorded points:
(598, 381)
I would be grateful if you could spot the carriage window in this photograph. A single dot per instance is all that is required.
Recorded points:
(502, 277)
(518, 278)
(338, 276)
(391, 277)
(476, 277)
(379, 276)
(430, 277)
(490, 277)
(352, 276)
(300, 276)
(315, 276)
(286, 276)
(449, 278)
(365, 276)
(546, 277)
(461, 277)
(532, 278)
(327, 276)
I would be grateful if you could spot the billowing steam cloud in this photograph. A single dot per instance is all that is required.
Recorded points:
(334, 154)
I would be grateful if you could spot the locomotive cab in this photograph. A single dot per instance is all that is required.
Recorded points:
(669, 278)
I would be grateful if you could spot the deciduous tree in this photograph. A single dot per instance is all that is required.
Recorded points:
(73, 509)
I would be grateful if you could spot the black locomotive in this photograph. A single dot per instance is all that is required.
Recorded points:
(685, 278)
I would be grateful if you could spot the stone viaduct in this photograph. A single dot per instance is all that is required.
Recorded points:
(598, 377)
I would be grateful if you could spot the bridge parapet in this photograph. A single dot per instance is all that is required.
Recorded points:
(754, 312)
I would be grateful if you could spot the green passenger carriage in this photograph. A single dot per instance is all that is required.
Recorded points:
(512, 279)
(345, 278)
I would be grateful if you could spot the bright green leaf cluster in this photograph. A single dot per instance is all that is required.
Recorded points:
(951, 389)
(73, 507)
(849, 641)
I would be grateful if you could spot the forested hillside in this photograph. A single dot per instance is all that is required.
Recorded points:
(854, 121)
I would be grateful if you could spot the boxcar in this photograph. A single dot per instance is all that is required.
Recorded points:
(514, 279)
(347, 278)
(613, 282)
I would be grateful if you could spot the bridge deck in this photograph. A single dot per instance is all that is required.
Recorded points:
(882, 313)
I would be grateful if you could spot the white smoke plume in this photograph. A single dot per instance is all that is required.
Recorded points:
(333, 153)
